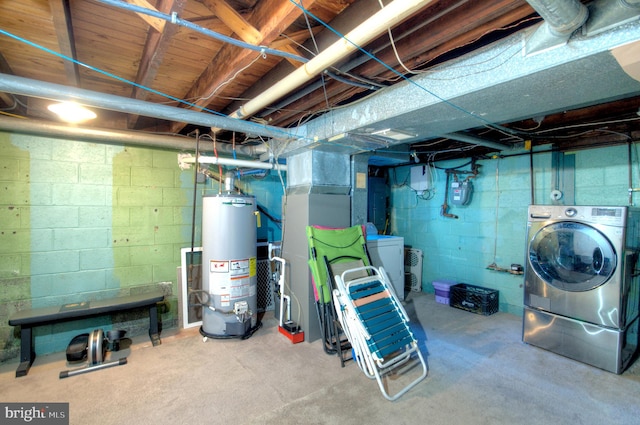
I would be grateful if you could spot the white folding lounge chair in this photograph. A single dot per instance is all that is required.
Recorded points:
(376, 324)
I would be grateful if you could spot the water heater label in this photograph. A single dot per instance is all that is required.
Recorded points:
(218, 266)
(239, 269)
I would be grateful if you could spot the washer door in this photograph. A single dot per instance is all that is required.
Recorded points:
(572, 256)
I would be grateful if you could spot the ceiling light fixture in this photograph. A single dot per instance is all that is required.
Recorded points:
(71, 112)
(394, 134)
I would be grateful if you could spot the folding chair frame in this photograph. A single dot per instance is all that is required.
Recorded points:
(376, 324)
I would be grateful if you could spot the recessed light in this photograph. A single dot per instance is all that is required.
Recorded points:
(71, 112)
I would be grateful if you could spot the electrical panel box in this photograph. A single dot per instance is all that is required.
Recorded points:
(420, 178)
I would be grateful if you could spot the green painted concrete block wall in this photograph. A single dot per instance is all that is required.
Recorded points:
(492, 228)
(85, 221)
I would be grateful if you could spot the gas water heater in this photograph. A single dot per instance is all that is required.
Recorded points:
(229, 256)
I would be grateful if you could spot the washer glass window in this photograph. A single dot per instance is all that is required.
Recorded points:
(572, 256)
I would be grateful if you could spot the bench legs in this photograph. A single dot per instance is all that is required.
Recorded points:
(27, 354)
(154, 333)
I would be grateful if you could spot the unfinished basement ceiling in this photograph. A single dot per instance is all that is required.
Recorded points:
(204, 56)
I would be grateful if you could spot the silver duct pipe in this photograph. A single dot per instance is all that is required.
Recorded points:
(33, 88)
(561, 19)
(474, 140)
(117, 137)
(607, 14)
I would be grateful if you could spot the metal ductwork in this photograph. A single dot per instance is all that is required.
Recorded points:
(450, 99)
(561, 19)
(607, 14)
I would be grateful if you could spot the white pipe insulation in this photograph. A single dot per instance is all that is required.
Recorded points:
(233, 162)
(392, 14)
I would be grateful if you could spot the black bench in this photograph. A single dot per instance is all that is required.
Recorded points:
(28, 319)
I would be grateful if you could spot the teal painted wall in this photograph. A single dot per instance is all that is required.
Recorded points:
(492, 228)
(85, 221)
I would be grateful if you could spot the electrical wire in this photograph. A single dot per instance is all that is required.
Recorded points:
(567, 127)
(233, 77)
(337, 72)
(430, 71)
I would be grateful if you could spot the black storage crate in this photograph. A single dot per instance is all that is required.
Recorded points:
(475, 299)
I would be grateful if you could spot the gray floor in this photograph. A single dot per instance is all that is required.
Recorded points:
(480, 373)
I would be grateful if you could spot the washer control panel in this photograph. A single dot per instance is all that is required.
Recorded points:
(613, 216)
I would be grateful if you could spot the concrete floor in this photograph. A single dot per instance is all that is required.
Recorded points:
(480, 373)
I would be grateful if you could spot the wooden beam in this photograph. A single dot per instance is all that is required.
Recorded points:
(298, 37)
(157, 23)
(271, 17)
(156, 46)
(289, 48)
(234, 21)
(61, 16)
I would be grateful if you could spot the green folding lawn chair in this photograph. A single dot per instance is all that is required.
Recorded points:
(331, 248)
(359, 312)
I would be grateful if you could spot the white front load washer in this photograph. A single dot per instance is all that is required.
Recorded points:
(582, 292)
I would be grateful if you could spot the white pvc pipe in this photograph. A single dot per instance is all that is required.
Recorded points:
(392, 14)
(235, 162)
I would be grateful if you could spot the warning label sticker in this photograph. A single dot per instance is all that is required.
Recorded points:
(231, 279)
(239, 269)
(217, 266)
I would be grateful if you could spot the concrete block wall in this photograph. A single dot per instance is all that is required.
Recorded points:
(492, 228)
(85, 221)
